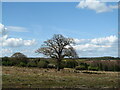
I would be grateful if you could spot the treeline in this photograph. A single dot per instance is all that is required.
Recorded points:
(105, 64)
(104, 58)
(90, 58)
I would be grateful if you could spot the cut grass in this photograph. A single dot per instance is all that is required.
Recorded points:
(23, 77)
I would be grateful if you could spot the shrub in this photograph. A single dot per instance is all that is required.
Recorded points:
(22, 64)
(31, 64)
(51, 66)
(36, 60)
(42, 64)
(93, 68)
(61, 66)
(7, 63)
(84, 64)
(18, 57)
(5, 59)
(16, 61)
(81, 67)
(70, 64)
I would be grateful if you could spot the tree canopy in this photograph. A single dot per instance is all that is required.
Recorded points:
(19, 55)
(58, 47)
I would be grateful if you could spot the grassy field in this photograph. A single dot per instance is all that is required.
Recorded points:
(22, 77)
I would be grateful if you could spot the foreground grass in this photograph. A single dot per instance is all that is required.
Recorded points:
(22, 77)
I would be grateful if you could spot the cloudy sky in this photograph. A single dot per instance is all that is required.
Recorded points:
(92, 24)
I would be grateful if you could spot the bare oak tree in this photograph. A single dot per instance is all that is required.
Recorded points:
(58, 47)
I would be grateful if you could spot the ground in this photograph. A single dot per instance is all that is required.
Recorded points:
(23, 77)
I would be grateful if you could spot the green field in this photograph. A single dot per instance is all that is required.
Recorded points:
(23, 77)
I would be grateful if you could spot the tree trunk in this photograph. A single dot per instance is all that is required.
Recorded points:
(58, 68)
(58, 65)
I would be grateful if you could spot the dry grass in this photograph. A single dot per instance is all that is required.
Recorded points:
(22, 77)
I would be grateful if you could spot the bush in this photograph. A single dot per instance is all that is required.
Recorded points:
(62, 65)
(31, 64)
(18, 57)
(93, 68)
(22, 64)
(51, 66)
(81, 67)
(5, 59)
(36, 60)
(7, 63)
(16, 61)
(84, 64)
(42, 64)
(70, 64)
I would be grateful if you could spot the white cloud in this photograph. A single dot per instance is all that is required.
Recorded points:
(2, 29)
(16, 29)
(96, 5)
(5, 52)
(5, 41)
(106, 40)
(15, 42)
(97, 46)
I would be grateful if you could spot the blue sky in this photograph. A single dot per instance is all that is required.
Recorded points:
(39, 21)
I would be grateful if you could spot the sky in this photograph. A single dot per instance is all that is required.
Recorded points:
(92, 24)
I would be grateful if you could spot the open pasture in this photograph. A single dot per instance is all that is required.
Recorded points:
(24, 77)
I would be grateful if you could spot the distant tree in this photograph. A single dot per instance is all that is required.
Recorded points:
(5, 58)
(19, 57)
(58, 47)
(6, 61)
